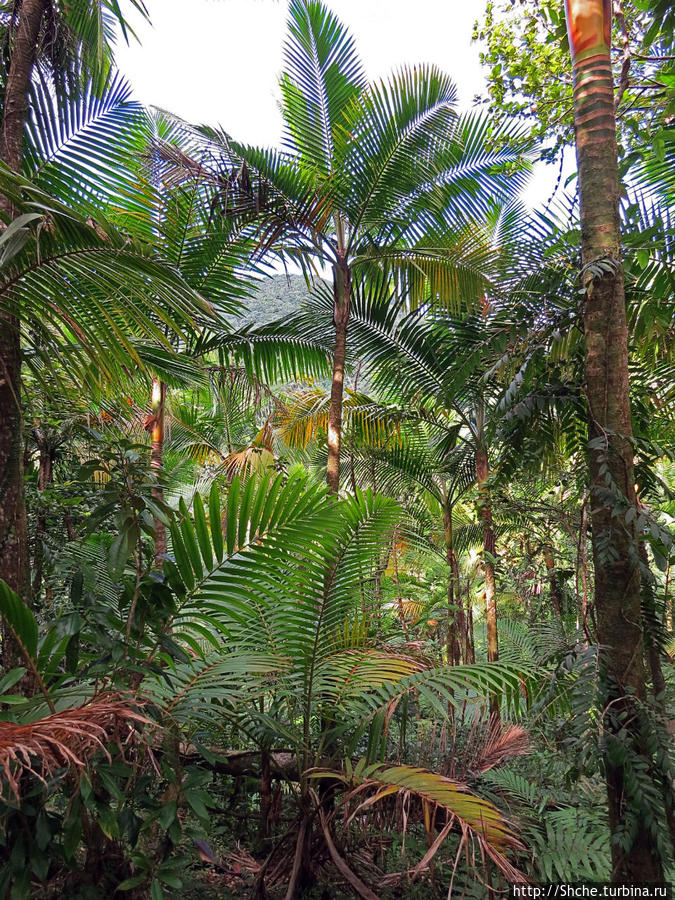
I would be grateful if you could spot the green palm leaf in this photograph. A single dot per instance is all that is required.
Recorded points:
(323, 74)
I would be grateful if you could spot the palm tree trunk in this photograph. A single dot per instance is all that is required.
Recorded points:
(554, 586)
(156, 422)
(457, 636)
(485, 507)
(14, 562)
(452, 644)
(342, 298)
(462, 616)
(617, 578)
(470, 645)
(399, 599)
(45, 479)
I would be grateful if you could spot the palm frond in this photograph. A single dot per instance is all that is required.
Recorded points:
(322, 75)
(83, 149)
(476, 819)
(66, 740)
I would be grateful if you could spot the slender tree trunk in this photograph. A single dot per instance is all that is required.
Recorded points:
(462, 619)
(485, 507)
(652, 627)
(342, 299)
(554, 587)
(156, 428)
(470, 645)
(265, 799)
(452, 644)
(45, 479)
(583, 565)
(456, 641)
(399, 599)
(617, 578)
(14, 559)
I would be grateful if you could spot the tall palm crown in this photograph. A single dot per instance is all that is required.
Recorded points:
(75, 39)
(61, 36)
(377, 179)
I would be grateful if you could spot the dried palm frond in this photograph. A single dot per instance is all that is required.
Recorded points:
(447, 805)
(489, 744)
(501, 743)
(66, 739)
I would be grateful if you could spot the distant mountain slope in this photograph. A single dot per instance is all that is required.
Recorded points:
(276, 298)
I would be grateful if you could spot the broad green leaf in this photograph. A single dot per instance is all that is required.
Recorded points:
(19, 618)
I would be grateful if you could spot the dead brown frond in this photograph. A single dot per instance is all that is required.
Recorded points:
(489, 744)
(65, 740)
(501, 744)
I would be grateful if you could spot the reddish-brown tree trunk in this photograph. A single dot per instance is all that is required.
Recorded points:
(14, 558)
(489, 544)
(617, 578)
(156, 427)
(342, 300)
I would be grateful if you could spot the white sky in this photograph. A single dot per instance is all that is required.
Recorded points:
(219, 64)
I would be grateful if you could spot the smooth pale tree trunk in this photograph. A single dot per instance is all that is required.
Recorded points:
(155, 424)
(342, 286)
(342, 302)
(489, 544)
(14, 561)
(617, 577)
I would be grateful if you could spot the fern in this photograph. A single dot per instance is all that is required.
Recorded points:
(572, 845)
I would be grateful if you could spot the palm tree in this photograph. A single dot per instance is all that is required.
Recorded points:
(611, 475)
(86, 292)
(265, 652)
(433, 364)
(72, 43)
(431, 459)
(394, 452)
(278, 612)
(442, 361)
(380, 179)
